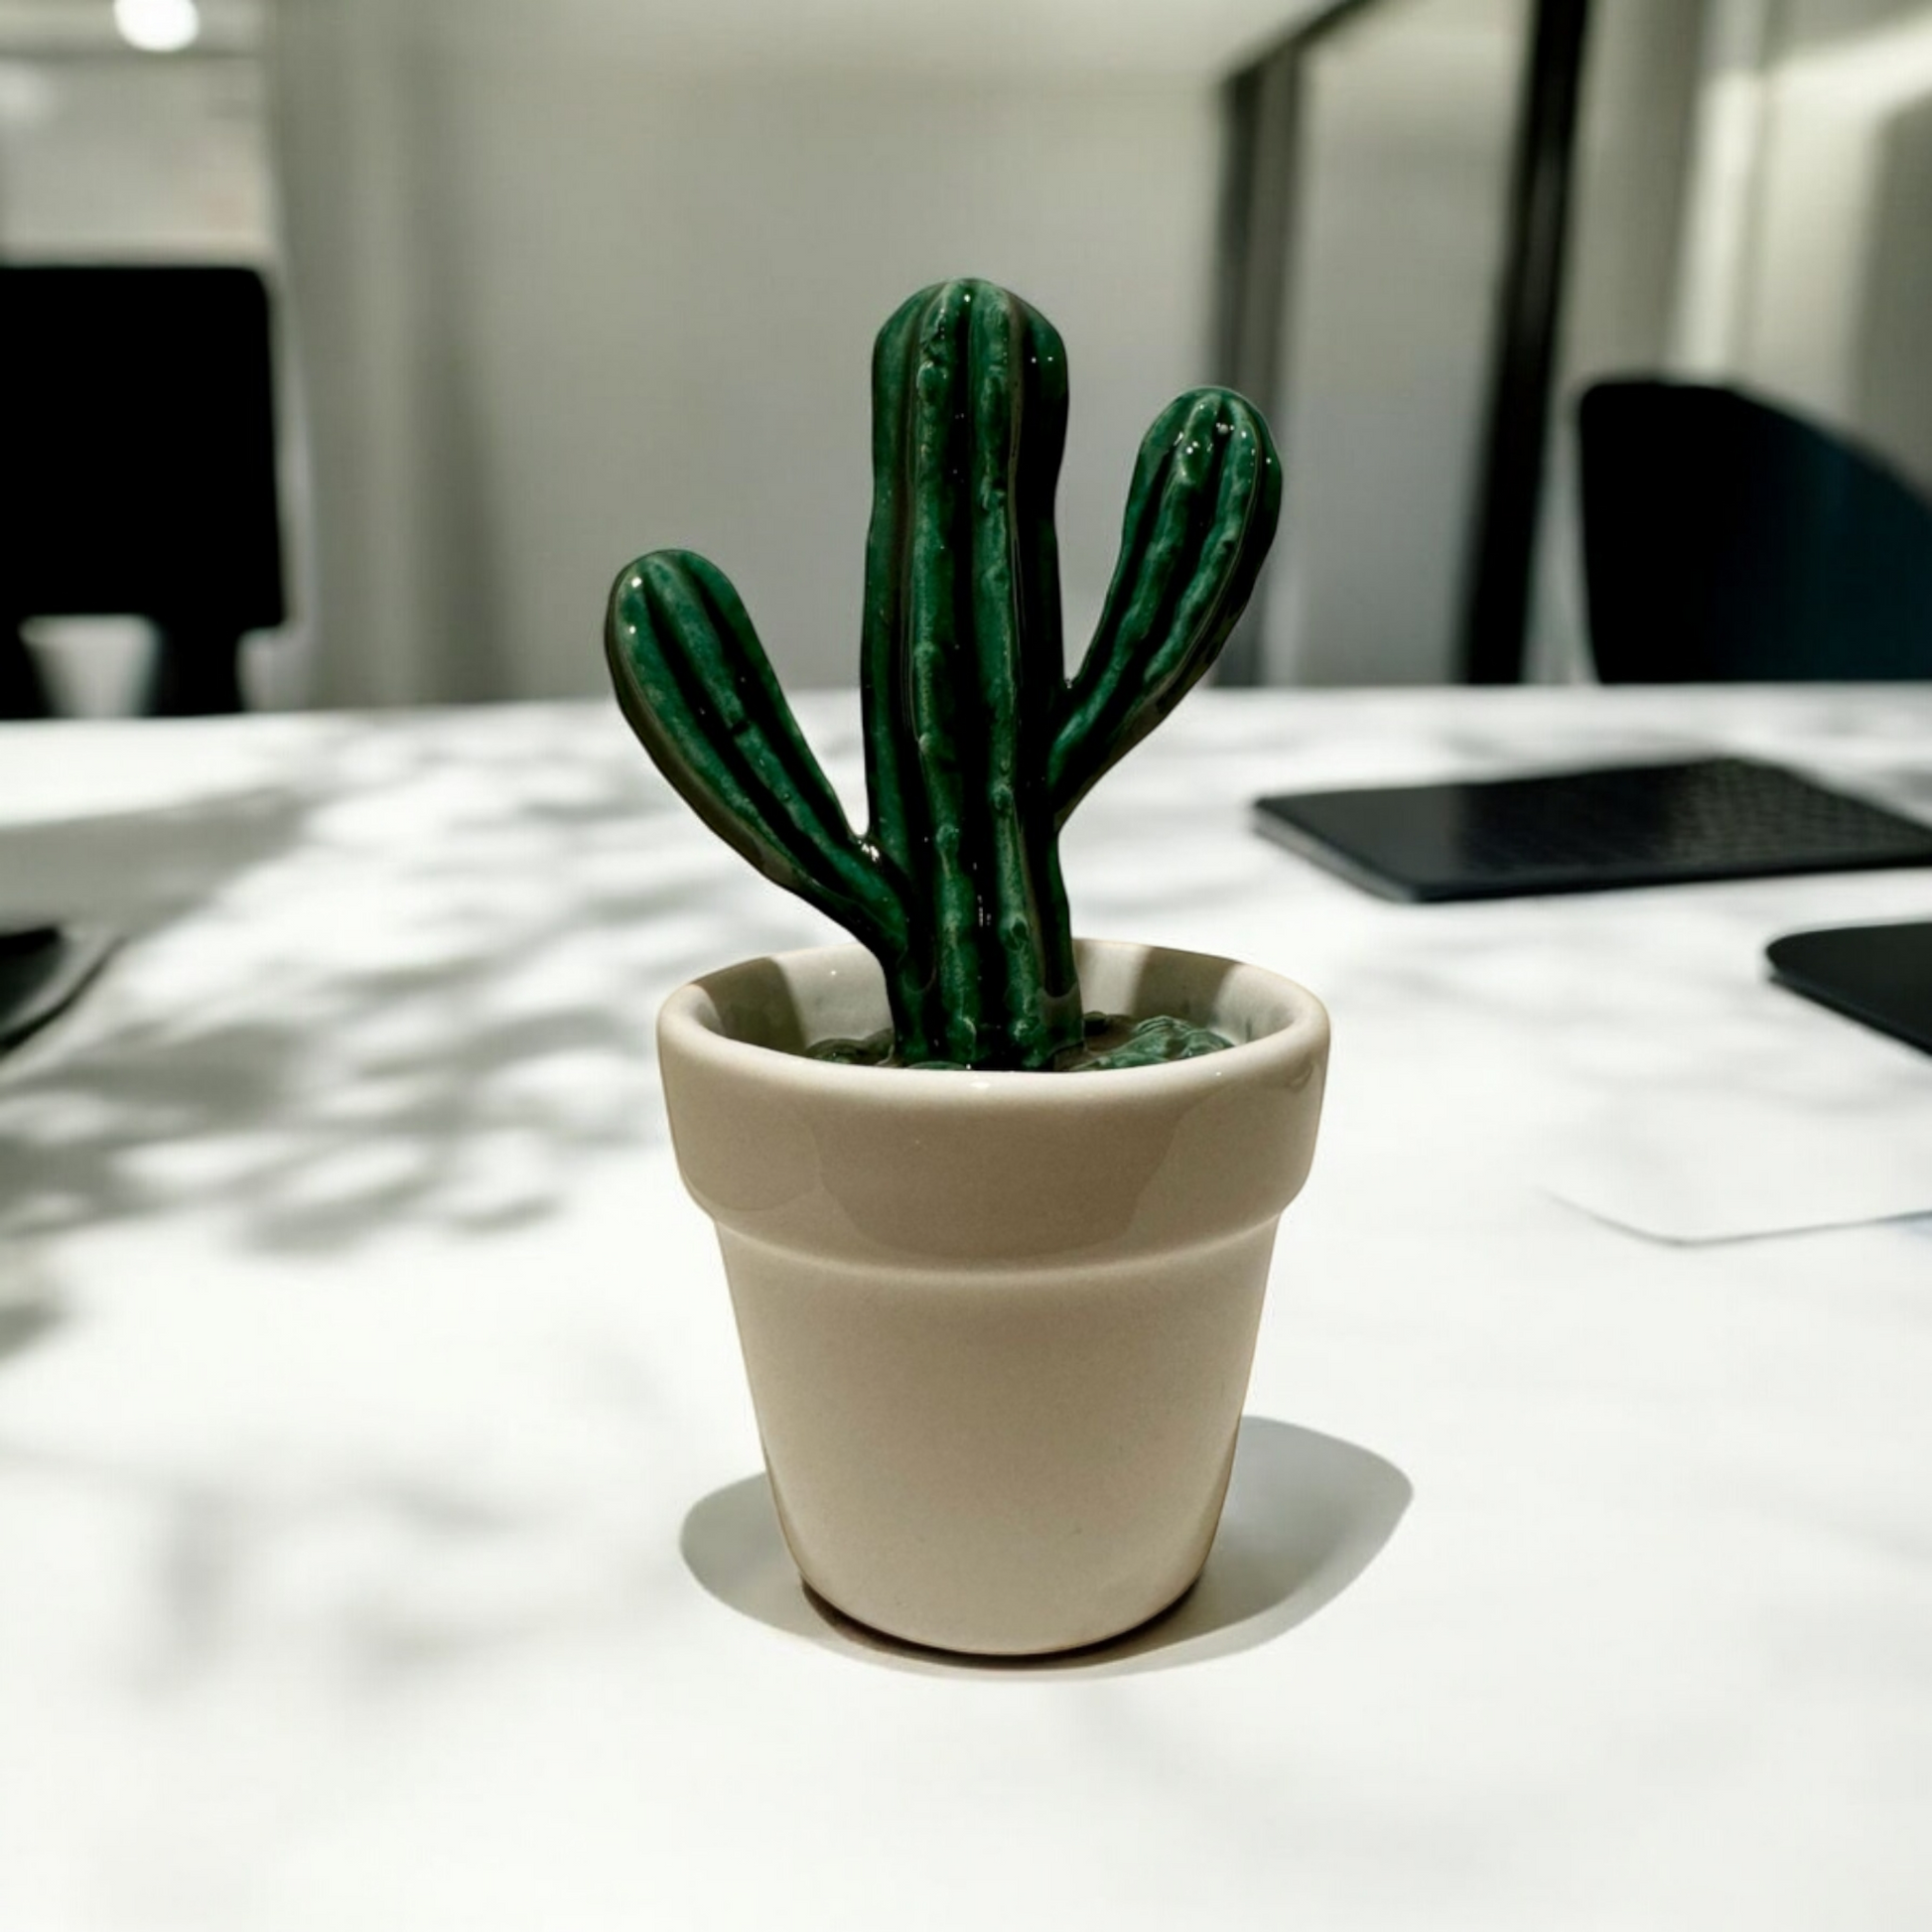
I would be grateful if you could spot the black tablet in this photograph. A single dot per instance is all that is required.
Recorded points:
(1880, 975)
(43, 970)
(1590, 831)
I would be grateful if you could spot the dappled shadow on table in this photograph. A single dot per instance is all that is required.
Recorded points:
(419, 984)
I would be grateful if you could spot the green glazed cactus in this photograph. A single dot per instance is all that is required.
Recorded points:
(976, 747)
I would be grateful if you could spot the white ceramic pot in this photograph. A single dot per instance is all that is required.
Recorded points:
(998, 1326)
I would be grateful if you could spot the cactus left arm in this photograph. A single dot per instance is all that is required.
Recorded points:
(695, 685)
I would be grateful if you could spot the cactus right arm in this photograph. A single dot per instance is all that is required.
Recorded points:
(1200, 515)
(695, 685)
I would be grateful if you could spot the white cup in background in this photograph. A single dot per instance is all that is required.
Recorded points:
(93, 666)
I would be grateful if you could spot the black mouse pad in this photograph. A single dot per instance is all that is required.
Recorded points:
(1590, 831)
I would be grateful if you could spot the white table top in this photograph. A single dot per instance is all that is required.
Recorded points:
(375, 1542)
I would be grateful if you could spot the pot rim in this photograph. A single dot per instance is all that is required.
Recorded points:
(689, 1023)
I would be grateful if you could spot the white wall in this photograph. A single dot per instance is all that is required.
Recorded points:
(129, 157)
(561, 302)
(1811, 268)
(1406, 136)
(1844, 224)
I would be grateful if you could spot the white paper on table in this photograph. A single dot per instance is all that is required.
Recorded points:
(1836, 1132)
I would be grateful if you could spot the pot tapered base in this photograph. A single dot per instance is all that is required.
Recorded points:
(1001, 1462)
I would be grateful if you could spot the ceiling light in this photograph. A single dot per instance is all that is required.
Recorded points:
(158, 26)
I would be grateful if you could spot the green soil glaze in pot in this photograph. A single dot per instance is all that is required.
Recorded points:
(978, 748)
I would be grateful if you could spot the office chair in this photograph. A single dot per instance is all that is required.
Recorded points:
(137, 469)
(1725, 538)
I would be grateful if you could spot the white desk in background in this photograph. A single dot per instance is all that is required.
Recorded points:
(376, 1549)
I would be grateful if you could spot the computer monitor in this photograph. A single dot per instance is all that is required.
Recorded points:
(137, 459)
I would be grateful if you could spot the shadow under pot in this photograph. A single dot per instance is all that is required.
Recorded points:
(998, 1326)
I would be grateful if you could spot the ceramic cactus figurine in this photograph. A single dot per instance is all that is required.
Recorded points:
(976, 747)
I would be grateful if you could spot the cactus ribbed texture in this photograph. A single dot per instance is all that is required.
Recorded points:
(977, 748)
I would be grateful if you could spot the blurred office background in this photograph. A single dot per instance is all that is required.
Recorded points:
(555, 283)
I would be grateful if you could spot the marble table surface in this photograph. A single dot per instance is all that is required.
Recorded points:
(380, 1537)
